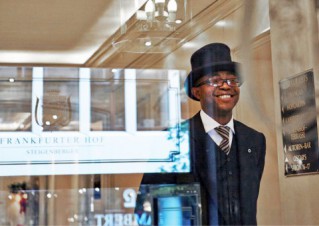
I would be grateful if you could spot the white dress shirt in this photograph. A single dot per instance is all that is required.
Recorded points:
(210, 124)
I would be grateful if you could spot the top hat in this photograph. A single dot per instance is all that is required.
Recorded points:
(207, 60)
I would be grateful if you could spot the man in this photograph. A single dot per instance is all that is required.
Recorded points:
(228, 162)
(229, 166)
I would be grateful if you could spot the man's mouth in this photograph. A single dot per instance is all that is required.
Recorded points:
(225, 96)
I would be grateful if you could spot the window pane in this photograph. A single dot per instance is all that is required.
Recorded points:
(107, 100)
(60, 100)
(15, 99)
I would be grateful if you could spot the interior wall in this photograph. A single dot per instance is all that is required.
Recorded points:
(294, 46)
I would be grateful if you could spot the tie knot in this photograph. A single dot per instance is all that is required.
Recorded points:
(223, 131)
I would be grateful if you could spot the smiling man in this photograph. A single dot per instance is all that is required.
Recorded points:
(227, 156)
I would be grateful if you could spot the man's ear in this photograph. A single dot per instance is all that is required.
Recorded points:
(196, 92)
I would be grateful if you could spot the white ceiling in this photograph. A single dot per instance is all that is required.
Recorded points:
(56, 31)
(70, 32)
(81, 32)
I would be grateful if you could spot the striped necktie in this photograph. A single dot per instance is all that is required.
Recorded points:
(223, 131)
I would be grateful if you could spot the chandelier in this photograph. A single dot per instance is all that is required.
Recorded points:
(158, 15)
(154, 25)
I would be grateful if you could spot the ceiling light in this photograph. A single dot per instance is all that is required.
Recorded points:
(156, 15)
(152, 28)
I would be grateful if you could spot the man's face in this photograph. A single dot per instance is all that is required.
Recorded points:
(219, 100)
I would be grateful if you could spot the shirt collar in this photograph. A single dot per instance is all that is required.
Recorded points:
(210, 124)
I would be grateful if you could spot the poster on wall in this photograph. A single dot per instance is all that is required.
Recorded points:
(299, 124)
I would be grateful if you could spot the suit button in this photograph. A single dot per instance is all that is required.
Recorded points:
(230, 173)
(249, 150)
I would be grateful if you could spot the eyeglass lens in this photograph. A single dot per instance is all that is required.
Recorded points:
(220, 82)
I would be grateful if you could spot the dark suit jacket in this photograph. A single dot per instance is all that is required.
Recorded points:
(251, 147)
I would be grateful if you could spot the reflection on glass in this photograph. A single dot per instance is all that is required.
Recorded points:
(107, 101)
(152, 105)
(60, 107)
(157, 99)
(81, 116)
(145, 205)
(107, 106)
(60, 100)
(15, 99)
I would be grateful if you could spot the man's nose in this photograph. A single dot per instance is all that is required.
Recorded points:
(224, 85)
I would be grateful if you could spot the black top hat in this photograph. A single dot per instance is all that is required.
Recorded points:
(207, 60)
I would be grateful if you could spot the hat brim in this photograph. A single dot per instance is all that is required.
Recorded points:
(196, 74)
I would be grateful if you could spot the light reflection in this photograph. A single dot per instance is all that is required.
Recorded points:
(221, 23)
(71, 219)
(82, 190)
(148, 43)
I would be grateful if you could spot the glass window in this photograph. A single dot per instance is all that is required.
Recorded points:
(15, 99)
(60, 100)
(107, 100)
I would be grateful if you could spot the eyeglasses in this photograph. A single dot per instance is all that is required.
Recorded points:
(220, 82)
